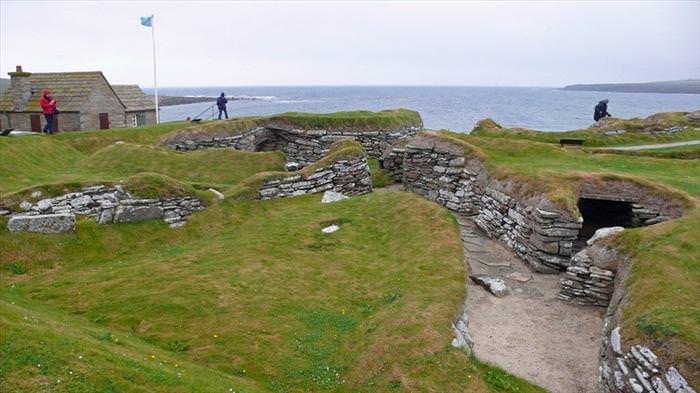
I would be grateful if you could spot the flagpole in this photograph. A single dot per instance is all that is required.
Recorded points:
(155, 80)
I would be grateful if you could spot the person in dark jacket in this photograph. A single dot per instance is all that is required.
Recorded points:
(221, 104)
(48, 108)
(601, 110)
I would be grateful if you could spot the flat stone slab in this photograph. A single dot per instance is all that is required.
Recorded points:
(137, 213)
(603, 233)
(330, 229)
(493, 263)
(519, 277)
(496, 286)
(332, 196)
(45, 223)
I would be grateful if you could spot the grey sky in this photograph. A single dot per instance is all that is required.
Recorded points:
(345, 43)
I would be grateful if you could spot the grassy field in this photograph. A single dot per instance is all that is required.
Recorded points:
(249, 296)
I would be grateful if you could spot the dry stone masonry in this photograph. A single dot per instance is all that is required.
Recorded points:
(590, 280)
(107, 204)
(637, 369)
(348, 177)
(302, 147)
(440, 171)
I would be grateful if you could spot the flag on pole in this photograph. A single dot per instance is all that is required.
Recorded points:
(147, 21)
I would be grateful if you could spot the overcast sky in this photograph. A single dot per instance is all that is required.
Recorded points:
(232, 43)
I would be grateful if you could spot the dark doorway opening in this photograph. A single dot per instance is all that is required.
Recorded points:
(267, 145)
(602, 213)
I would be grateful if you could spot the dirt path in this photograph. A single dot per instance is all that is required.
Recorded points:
(529, 333)
(651, 147)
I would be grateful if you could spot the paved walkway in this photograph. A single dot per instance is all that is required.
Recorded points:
(650, 147)
(529, 333)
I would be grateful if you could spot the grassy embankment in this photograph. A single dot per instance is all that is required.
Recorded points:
(661, 305)
(248, 296)
(637, 131)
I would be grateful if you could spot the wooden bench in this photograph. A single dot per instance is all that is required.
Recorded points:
(571, 141)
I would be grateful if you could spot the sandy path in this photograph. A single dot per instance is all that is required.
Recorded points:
(651, 147)
(530, 333)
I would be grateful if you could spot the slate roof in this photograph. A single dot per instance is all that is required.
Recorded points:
(134, 98)
(71, 90)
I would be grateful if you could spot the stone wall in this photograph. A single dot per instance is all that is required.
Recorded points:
(109, 204)
(633, 368)
(102, 99)
(590, 280)
(544, 236)
(67, 121)
(442, 172)
(301, 146)
(348, 177)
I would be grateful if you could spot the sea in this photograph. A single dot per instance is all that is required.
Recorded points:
(456, 108)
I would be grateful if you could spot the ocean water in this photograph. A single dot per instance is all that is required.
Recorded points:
(455, 108)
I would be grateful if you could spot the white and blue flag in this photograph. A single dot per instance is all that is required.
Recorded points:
(147, 21)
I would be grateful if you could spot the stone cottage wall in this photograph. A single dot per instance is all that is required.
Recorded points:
(114, 204)
(67, 121)
(301, 146)
(349, 177)
(102, 99)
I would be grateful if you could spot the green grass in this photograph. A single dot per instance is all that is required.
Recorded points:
(383, 121)
(387, 120)
(556, 172)
(248, 296)
(380, 177)
(594, 136)
(37, 160)
(254, 292)
(661, 306)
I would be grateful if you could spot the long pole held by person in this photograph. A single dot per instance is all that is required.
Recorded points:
(148, 22)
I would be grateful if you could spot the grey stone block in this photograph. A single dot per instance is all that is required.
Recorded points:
(46, 223)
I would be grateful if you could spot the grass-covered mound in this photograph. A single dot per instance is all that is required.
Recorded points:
(142, 185)
(386, 121)
(661, 308)
(358, 121)
(344, 149)
(251, 290)
(547, 169)
(637, 131)
(31, 161)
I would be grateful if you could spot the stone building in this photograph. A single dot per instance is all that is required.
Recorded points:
(139, 107)
(86, 101)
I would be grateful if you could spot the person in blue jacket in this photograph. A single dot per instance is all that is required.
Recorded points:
(601, 110)
(221, 104)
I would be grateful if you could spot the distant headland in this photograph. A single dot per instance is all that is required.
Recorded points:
(686, 86)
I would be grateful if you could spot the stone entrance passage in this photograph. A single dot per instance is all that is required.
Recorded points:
(529, 332)
(604, 213)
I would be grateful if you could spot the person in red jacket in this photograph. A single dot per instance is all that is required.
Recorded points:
(48, 107)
